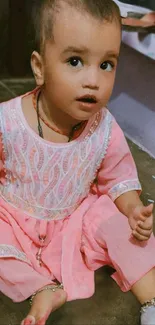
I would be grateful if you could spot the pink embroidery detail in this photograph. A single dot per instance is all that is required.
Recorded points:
(123, 187)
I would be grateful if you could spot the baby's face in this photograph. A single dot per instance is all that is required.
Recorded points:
(80, 65)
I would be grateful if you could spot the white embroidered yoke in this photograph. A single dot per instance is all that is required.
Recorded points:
(49, 180)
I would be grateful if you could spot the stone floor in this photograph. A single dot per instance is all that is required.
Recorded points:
(108, 306)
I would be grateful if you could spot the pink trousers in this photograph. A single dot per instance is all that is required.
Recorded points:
(96, 234)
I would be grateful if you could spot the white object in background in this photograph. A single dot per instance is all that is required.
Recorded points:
(144, 43)
(125, 8)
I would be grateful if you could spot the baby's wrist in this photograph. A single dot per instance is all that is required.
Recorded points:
(135, 209)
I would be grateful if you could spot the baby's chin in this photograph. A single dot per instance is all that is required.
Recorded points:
(84, 116)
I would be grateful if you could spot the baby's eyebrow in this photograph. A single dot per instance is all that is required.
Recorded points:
(112, 54)
(85, 50)
(74, 49)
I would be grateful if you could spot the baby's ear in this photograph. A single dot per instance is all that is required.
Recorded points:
(37, 68)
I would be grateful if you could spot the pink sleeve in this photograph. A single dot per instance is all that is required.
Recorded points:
(118, 173)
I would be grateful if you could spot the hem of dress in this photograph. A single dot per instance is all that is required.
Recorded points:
(10, 251)
(128, 286)
(28, 295)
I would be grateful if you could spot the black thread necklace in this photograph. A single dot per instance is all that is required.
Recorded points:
(40, 130)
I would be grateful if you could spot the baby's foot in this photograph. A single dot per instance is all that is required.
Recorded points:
(148, 316)
(43, 304)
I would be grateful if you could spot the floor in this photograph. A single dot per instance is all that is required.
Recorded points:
(108, 306)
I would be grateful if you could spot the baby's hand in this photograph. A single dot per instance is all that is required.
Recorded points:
(141, 222)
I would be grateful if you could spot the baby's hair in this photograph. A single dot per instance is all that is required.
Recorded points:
(44, 11)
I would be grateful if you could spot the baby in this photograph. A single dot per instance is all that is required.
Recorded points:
(69, 188)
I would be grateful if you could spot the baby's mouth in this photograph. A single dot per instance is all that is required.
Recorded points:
(87, 99)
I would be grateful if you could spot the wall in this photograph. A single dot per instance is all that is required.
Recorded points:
(133, 100)
(12, 50)
(3, 35)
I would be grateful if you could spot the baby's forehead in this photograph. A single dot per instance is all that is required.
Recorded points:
(89, 40)
(66, 20)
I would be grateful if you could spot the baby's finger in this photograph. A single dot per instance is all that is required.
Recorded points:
(138, 236)
(144, 232)
(147, 211)
(145, 225)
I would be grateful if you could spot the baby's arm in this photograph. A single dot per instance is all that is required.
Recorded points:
(140, 217)
(118, 179)
(127, 202)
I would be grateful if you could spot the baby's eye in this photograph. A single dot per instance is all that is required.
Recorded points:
(108, 66)
(75, 62)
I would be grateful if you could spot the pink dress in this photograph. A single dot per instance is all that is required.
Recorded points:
(49, 200)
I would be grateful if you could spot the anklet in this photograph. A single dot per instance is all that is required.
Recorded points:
(52, 287)
(147, 304)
